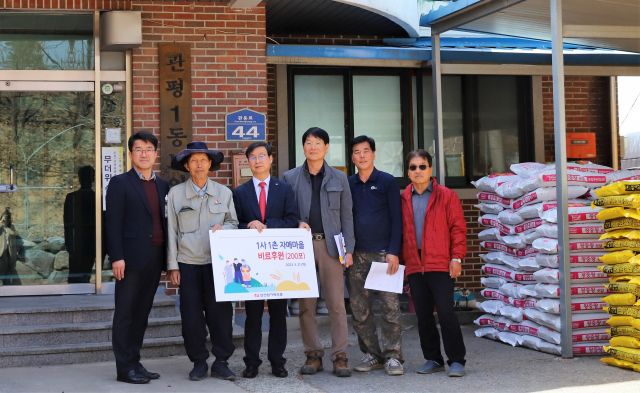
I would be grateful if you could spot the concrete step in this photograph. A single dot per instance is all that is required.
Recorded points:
(70, 309)
(77, 333)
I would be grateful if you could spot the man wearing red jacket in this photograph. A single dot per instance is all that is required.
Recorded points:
(433, 246)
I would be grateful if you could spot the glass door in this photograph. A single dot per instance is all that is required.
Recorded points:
(48, 224)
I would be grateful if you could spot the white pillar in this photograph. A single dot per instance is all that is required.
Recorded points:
(437, 106)
(560, 132)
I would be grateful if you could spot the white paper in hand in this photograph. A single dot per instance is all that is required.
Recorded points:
(379, 280)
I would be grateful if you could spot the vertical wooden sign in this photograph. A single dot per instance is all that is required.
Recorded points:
(175, 106)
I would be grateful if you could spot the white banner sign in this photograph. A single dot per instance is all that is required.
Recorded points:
(274, 264)
(111, 166)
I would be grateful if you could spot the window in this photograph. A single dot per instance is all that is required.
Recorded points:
(487, 122)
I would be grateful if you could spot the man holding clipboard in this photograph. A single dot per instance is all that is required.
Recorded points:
(377, 217)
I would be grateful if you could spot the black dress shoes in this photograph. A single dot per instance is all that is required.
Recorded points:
(250, 372)
(143, 371)
(279, 371)
(133, 377)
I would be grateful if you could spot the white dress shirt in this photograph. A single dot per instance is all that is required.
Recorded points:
(256, 185)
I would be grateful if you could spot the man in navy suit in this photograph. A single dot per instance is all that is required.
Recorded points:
(136, 229)
(265, 202)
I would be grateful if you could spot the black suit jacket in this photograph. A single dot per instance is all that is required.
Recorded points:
(129, 220)
(282, 209)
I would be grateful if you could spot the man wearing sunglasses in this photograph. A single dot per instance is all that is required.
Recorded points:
(262, 203)
(434, 243)
(377, 225)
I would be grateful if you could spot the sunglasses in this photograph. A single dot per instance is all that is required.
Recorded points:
(422, 167)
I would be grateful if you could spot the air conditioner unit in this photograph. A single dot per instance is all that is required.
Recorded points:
(120, 30)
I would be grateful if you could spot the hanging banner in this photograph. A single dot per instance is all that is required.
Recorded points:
(111, 166)
(175, 106)
(274, 264)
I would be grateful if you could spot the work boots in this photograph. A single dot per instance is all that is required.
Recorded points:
(341, 365)
(312, 365)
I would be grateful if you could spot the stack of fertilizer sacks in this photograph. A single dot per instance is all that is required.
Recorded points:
(620, 202)
(522, 291)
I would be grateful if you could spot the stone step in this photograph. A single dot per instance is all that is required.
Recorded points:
(71, 309)
(77, 333)
(95, 352)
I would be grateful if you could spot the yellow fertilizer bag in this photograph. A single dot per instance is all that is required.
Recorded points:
(613, 258)
(624, 341)
(622, 244)
(623, 310)
(620, 299)
(635, 260)
(621, 223)
(624, 187)
(620, 320)
(624, 288)
(629, 331)
(618, 363)
(621, 279)
(630, 201)
(630, 234)
(620, 269)
(617, 212)
(629, 354)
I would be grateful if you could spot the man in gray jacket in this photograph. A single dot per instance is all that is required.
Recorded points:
(324, 206)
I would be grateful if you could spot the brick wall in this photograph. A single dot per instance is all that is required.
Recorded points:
(471, 272)
(587, 110)
(229, 70)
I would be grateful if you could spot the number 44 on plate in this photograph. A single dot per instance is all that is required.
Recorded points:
(245, 125)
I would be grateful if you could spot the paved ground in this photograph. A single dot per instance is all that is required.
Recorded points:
(491, 367)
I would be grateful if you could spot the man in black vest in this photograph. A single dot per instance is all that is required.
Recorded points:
(136, 229)
(261, 203)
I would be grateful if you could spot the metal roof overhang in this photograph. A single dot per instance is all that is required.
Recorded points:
(611, 24)
(462, 56)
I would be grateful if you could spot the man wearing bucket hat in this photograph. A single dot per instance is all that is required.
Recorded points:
(194, 208)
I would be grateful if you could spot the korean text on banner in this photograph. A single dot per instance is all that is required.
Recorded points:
(111, 166)
(274, 264)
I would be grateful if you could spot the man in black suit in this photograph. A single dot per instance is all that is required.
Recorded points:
(136, 229)
(264, 202)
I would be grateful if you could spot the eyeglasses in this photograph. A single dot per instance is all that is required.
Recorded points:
(422, 167)
(140, 151)
(261, 157)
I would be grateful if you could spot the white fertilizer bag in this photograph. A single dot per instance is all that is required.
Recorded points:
(528, 169)
(513, 313)
(510, 217)
(547, 276)
(542, 179)
(591, 335)
(491, 182)
(491, 306)
(489, 208)
(495, 257)
(508, 274)
(545, 194)
(550, 246)
(548, 290)
(539, 344)
(536, 210)
(500, 323)
(591, 230)
(489, 234)
(511, 261)
(624, 174)
(534, 329)
(512, 289)
(529, 264)
(577, 214)
(589, 290)
(489, 197)
(494, 294)
(588, 321)
(589, 167)
(497, 246)
(579, 259)
(492, 282)
(589, 348)
(491, 220)
(593, 181)
(531, 236)
(514, 241)
(523, 303)
(587, 305)
(549, 320)
(578, 275)
(487, 332)
(508, 338)
(525, 291)
(590, 195)
(551, 306)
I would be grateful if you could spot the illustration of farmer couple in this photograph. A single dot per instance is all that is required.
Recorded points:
(239, 273)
